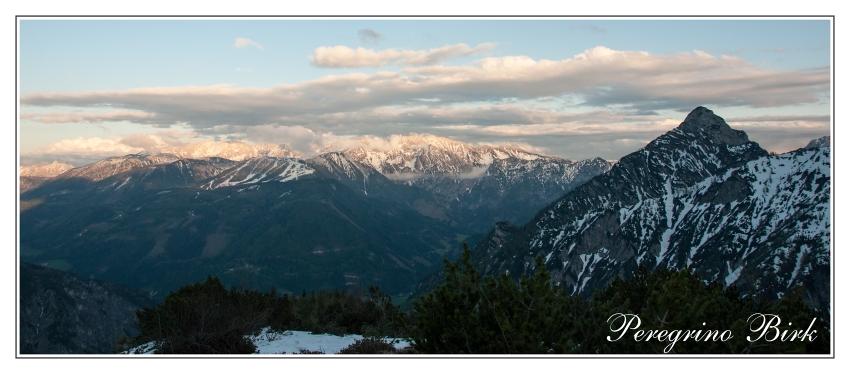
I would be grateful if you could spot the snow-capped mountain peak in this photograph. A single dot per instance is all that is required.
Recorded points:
(260, 170)
(234, 150)
(432, 155)
(115, 165)
(45, 169)
(461, 178)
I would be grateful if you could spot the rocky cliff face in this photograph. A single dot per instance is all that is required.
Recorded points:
(63, 314)
(702, 196)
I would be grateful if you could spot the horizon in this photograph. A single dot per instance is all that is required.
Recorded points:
(326, 148)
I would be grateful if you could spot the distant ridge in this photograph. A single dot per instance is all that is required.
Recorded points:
(823, 141)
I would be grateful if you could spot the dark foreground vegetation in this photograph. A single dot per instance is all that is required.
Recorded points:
(486, 315)
(206, 318)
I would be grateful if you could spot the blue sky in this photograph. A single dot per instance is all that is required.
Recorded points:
(573, 88)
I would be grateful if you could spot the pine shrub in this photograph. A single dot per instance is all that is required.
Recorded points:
(369, 346)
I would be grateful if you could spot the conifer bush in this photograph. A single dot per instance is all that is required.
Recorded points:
(206, 318)
(668, 299)
(369, 346)
(476, 314)
(489, 315)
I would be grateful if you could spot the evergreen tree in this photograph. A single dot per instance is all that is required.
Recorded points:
(474, 314)
(671, 300)
(205, 318)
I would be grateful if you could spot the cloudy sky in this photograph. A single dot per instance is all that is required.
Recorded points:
(576, 88)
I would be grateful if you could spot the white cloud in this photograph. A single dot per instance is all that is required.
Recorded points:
(345, 57)
(91, 146)
(81, 150)
(245, 42)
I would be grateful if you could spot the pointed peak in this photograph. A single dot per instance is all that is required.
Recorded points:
(703, 122)
(699, 112)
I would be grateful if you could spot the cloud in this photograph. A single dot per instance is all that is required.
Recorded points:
(600, 78)
(783, 136)
(780, 118)
(370, 36)
(245, 42)
(97, 146)
(300, 138)
(80, 151)
(76, 117)
(345, 57)
(782, 133)
(566, 136)
(639, 126)
(774, 50)
(484, 116)
(567, 106)
(598, 133)
(159, 141)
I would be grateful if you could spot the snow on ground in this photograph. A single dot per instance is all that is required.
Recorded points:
(289, 342)
(293, 341)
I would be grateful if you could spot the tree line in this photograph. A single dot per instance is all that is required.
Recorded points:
(474, 314)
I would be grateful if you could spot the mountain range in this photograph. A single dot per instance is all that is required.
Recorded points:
(702, 196)
(261, 218)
